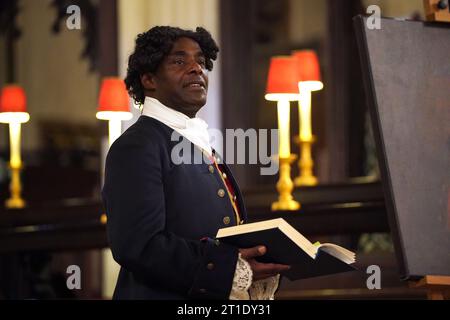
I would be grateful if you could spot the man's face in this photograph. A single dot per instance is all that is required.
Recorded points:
(181, 80)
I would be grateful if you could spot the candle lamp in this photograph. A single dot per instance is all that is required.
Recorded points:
(310, 80)
(282, 87)
(13, 112)
(113, 106)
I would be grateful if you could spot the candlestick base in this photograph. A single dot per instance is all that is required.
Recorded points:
(285, 186)
(305, 164)
(15, 203)
(305, 181)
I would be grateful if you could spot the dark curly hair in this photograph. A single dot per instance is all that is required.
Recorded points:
(151, 48)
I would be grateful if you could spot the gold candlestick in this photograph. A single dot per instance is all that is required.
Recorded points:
(305, 139)
(15, 164)
(305, 164)
(15, 201)
(285, 186)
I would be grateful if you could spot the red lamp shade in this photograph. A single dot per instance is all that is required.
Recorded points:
(308, 65)
(113, 96)
(13, 99)
(283, 76)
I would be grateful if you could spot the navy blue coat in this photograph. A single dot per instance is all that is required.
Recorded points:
(159, 214)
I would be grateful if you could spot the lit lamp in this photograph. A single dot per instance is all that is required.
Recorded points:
(282, 87)
(13, 112)
(114, 106)
(310, 80)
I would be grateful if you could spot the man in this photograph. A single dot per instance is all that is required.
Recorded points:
(162, 216)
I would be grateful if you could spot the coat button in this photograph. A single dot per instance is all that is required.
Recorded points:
(211, 169)
(224, 175)
(221, 193)
(226, 220)
(210, 266)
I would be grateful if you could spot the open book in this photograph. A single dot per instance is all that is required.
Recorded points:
(286, 245)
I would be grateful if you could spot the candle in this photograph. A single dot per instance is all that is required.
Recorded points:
(14, 136)
(115, 130)
(283, 129)
(305, 114)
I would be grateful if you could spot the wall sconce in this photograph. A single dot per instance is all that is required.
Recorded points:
(310, 80)
(282, 86)
(13, 112)
(114, 106)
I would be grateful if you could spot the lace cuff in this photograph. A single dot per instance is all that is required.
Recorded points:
(242, 280)
(244, 289)
(264, 289)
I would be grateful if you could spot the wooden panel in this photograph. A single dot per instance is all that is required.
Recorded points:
(61, 226)
(344, 93)
(353, 208)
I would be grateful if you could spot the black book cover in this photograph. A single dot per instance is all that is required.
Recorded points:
(281, 249)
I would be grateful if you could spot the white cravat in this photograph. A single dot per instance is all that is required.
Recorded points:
(193, 129)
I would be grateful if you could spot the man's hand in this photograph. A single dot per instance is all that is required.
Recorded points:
(261, 270)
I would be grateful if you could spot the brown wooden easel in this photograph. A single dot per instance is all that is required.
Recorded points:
(434, 13)
(437, 287)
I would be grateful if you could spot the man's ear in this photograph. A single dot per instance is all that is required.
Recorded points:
(148, 81)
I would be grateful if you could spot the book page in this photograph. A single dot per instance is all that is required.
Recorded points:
(339, 252)
(250, 227)
(299, 239)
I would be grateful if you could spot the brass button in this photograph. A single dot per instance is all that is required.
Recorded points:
(202, 290)
(226, 220)
(211, 169)
(234, 197)
(224, 175)
(210, 266)
(221, 193)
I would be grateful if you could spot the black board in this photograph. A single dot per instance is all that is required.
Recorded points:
(406, 67)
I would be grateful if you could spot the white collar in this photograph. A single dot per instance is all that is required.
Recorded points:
(193, 129)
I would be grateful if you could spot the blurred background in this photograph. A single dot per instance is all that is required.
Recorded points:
(63, 145)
